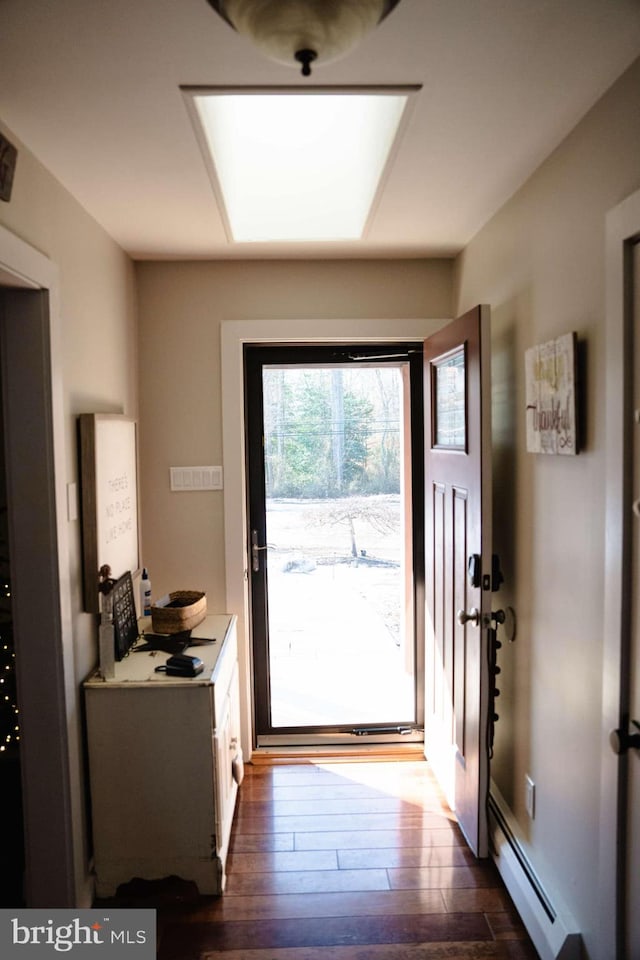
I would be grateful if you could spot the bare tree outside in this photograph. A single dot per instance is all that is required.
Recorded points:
(353, 512)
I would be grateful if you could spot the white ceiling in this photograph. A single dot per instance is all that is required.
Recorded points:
(92, 88)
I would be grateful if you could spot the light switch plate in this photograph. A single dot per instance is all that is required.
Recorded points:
(195, 479)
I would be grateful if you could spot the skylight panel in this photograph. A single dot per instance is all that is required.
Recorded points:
(298, 166)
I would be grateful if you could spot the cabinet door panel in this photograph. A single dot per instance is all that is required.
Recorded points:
(223, 779)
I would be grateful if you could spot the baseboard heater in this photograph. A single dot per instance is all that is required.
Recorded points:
(552, 930)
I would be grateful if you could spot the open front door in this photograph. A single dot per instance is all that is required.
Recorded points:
(458, 566)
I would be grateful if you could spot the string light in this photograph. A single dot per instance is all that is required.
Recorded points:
(9, 725)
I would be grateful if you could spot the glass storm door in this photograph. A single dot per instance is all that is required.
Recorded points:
(332, 464)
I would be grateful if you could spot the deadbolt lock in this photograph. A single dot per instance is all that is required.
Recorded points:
(621, 740)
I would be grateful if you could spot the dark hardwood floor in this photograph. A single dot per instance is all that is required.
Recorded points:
(335, 860)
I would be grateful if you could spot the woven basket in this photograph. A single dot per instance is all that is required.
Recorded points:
(187, 609)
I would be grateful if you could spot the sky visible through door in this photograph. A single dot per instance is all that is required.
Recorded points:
(341, 648)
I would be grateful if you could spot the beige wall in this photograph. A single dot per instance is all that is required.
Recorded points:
(540, 264)
(98, 323)
(97, 332)
(182, 307)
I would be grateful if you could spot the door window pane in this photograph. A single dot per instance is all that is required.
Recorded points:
(449, 401)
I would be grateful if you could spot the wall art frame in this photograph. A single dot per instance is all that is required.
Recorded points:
(551, 389)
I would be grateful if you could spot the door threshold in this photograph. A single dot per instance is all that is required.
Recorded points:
(350, 741)
(342, 753)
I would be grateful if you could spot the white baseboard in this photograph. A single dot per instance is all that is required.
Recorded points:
(551, 928)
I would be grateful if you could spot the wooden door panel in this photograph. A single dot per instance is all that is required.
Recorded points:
(457, 526)
(459, 589)
(437, 658)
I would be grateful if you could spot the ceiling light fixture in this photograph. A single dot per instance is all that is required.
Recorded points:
(304, 31)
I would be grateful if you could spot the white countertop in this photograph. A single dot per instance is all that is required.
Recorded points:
(139, 666)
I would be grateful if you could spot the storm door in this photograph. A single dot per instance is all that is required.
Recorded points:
(334, 457)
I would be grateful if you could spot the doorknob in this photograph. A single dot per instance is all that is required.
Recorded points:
(255, 551)
(472, 617)
(621, 741)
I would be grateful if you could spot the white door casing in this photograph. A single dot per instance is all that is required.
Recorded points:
(234, 335)
(35, 455)
(618, 846)
(632, 868)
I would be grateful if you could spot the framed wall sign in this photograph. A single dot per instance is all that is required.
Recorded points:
(109, 497)
(550, 382)
(125, 620)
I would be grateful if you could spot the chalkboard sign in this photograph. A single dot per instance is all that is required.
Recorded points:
(109, 496)
(125, 620)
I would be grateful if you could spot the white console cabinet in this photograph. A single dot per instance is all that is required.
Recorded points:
(161, 759)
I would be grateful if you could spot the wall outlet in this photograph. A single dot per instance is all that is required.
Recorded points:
(530, 796)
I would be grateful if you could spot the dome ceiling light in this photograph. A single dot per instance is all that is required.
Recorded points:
(304, 31)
